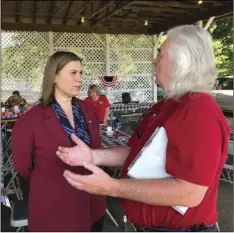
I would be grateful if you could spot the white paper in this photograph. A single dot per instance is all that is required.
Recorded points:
(151, 161)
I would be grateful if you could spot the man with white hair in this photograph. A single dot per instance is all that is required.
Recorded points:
(196, 151)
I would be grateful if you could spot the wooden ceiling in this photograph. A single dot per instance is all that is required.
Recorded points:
(113, 17)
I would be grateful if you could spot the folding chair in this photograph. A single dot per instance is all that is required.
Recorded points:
(19, 215)
(13, 186)
(227, 174)
(111, 217)
(115, 175)
(217, 225)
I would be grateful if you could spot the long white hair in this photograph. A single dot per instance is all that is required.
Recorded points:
(192, 61)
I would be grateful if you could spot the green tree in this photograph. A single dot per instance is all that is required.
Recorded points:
(222, 32)
(24, 58)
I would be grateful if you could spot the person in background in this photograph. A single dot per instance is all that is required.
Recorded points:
(54, 205)
(100, 102)
(15, 100)
(197, 144)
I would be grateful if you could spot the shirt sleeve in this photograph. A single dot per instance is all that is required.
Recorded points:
(106, 102)
(195, 142)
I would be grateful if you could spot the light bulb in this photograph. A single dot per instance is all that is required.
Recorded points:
(146, 22)
(199, 2)
(82, 19)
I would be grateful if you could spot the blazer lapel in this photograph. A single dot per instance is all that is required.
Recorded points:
(87, 118)
(54, 127)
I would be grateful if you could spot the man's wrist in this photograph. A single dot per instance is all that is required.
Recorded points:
(96, 159)
(115, 188)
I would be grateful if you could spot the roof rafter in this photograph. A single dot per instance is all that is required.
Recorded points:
(19, 7)
(66, 15)
(203, 15)
(119, 7)
(51, 11)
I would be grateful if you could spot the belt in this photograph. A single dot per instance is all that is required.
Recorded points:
(195, 228)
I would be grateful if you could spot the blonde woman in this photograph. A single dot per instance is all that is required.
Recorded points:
(100, 102)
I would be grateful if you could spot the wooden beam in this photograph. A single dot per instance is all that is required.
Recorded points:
(62, 8)
(51, 11)
(103, 7)
(225, 8)
(192, 5)
(66, 15)
(34, 11)
(42, 6)
(118, 8)
(80, 10)
(19, 6)
(139, 19)
(157, 9)
(209, 22)
(77, 29)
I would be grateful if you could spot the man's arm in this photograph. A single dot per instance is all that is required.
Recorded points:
(115, 156)
(163, 192)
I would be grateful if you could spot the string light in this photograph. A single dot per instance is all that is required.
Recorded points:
(200, 2)
(146, 22)
(82, 19)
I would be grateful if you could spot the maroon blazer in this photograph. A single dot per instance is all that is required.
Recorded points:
(54, 205)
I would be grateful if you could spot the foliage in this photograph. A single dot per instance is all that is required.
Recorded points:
(221, 31)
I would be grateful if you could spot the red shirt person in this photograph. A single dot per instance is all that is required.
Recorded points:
(197, 146)
(100, 102)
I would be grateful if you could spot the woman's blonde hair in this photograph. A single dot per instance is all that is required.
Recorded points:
(95, 88)
(192, 60)
(53, 66)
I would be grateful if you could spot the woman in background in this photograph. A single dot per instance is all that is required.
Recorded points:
(15, 100)
(100, 102)
(53, 204)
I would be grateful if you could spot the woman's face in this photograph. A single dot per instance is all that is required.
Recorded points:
(93, 94)
(69, 80)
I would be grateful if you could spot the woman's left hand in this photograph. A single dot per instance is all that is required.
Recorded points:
(97, 183)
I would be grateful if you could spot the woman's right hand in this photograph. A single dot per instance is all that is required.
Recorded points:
(75, 156)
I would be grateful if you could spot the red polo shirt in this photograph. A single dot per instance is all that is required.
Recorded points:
(101, 104)
(197, 148)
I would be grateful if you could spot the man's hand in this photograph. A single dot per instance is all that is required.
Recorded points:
(97, 183)
(75, 156)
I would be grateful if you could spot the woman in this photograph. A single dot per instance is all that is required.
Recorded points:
(15, 100)
(53, 204)
(197, 146)
(100, 102)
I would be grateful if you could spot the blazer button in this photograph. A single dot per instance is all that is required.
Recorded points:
(90, 121)
(154, 114)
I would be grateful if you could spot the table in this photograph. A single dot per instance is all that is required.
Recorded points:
(8, 120)
(130, 108)
(118, 107)
(111, 141)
